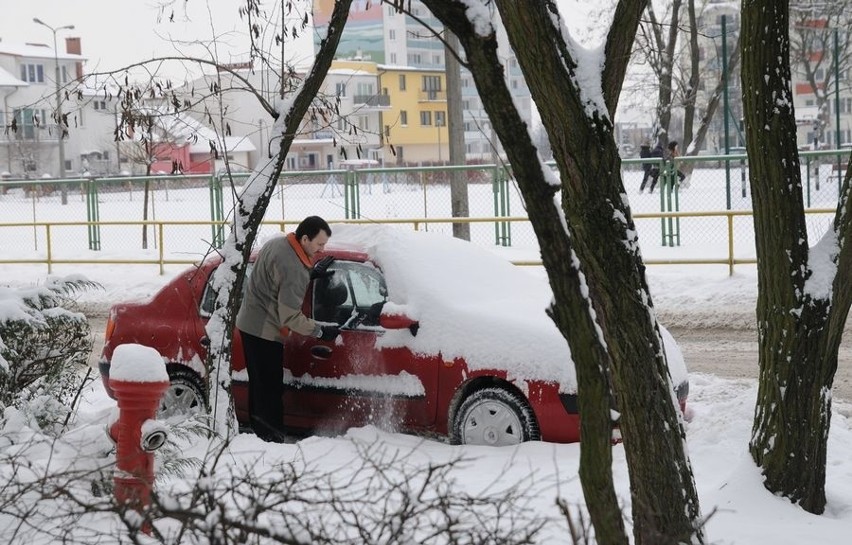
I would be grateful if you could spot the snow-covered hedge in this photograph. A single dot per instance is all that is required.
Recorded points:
(43, 347)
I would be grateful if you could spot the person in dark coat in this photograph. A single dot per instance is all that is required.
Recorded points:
(653, 171)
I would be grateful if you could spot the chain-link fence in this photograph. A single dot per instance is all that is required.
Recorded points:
(37, 225)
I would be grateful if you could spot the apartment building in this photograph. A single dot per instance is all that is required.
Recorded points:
(411, 63)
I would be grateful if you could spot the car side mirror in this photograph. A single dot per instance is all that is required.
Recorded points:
(399, 321)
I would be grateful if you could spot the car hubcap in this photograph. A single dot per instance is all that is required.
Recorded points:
(492, 423)
(179, 400)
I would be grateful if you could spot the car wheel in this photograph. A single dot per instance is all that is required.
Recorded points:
(494, 416)
(184, 396)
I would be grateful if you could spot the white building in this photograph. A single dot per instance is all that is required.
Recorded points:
(29, 142)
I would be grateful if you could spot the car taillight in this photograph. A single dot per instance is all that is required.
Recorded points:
(110, 327)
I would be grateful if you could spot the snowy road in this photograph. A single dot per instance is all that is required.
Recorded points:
(724, 352)
(732, 353)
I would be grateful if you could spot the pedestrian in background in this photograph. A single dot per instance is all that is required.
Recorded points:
(653, 173)
(673, 153)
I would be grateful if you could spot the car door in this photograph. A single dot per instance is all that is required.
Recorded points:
(239, 374)
(357, 378)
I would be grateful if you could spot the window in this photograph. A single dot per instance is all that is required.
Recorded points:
(431, 87)
(431, 83)
(387, 131)
(32, 73)
(365, 89)
(64, 74)
(402, 82)
(436, 60)
(425, 119)
(340, 89)
(846, 105)
(363, 122)
(28, 121)
(99, 105)
(440, 119)
(393, 58)
(414, 59)
(392, 35)
(355, 288)
(403, 118)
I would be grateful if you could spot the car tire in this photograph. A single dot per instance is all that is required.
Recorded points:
(184, 397)
(494, 416)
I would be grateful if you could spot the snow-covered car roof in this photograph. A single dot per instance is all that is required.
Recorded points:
(471, 304)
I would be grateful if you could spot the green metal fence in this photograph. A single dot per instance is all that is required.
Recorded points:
(713, 183)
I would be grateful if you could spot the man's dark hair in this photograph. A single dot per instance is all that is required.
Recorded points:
(311, 226)
(673, 144)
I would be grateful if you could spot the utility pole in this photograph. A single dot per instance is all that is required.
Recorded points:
(455, 128)
(61, 129)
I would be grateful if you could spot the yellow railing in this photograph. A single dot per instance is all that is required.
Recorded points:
(162, 260)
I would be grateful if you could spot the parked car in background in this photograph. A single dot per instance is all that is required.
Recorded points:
(437, 336)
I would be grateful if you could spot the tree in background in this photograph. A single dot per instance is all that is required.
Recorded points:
(590, 252)
(144, 134)
(820, 49)
(804, 292)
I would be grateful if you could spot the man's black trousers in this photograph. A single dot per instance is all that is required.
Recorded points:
(264, 362)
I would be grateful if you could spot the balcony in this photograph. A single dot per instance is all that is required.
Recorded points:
(374, 101)
(433, 96)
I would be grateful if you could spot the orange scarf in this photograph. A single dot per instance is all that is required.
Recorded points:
(297, 247)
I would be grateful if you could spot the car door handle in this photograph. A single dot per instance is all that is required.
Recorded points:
(321, 352)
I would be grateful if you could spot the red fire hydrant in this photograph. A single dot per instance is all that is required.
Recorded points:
(138, 379)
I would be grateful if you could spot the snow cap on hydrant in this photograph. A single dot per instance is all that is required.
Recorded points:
(137, 363)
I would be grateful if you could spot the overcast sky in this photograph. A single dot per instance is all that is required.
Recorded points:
(115, 34)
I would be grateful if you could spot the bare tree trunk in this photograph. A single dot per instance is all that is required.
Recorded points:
(595, 276)
(665, 68)
(694, 77)
(713, 104)
(804, 293)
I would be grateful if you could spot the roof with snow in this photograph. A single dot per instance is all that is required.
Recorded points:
(36, 51)
(185, 128)
(9, 80)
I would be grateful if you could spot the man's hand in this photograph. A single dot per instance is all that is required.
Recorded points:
(320, 269)
(329, 332)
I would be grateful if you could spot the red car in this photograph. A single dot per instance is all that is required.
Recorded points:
(437, 336)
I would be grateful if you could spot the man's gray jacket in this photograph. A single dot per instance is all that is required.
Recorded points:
(275, 292)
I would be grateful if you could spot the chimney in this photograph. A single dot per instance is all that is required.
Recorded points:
(74, 47)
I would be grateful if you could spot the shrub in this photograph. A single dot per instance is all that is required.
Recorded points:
(43, 347)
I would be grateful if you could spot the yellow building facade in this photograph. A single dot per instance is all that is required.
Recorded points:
(414, 127)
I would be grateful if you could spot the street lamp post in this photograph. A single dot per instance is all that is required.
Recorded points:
(59, 124)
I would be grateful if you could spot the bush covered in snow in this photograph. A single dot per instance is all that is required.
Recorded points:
(43, 347)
